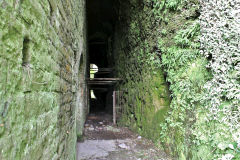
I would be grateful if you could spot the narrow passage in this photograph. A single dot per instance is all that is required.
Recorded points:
(104, 141)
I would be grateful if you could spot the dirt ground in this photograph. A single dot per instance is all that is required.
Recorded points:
(104, 141)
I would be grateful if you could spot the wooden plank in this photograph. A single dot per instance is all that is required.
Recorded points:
(101, 89)
(104, 79)
(114, 107)
(103, 72)
(101, 82)
(98, 87)
(101, 69)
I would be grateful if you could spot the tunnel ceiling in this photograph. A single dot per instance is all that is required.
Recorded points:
(101, 16)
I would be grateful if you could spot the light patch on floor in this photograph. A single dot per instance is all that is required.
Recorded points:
(104, 141)
(95, 149)
(90, 149)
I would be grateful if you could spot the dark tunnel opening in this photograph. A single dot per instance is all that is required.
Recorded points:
(101, 18)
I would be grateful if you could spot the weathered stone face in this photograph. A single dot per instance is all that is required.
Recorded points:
(41, 43)
(137, 62)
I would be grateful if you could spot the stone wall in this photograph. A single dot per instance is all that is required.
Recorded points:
(41, 43)
(136, 60)
(190, 47)
(157, 54)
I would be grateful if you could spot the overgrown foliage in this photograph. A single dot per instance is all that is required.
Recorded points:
(205, 84)
(220, 39)
(200, 58)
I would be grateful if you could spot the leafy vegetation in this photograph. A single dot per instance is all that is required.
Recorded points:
(169, 39)
(204, 106)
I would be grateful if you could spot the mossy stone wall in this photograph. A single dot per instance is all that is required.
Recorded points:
(191, 48)
(40, 47)
(136, 60)
(156, 48)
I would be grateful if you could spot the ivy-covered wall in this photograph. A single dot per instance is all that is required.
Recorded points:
(40, 47)
(219, 130)
(180, 63)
